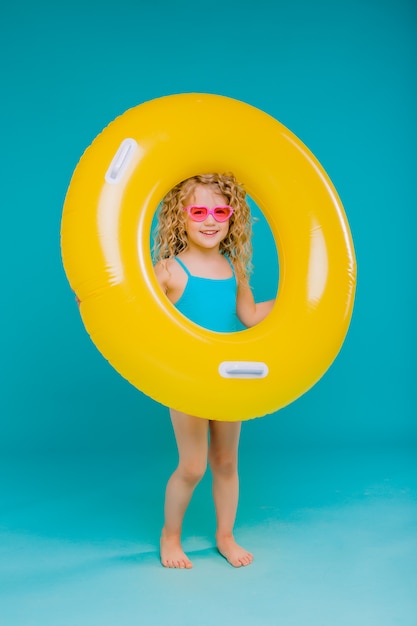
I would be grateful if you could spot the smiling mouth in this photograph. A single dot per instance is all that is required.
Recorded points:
(209, 232)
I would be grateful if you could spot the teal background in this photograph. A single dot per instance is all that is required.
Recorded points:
(330, 481)
(341, 76)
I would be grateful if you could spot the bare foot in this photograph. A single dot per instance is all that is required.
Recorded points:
(172, 554)
(232, 552)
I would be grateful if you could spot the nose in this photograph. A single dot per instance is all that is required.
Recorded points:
(210, 220)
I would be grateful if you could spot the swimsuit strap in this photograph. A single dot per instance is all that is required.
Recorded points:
(184, 267)
(230, 263)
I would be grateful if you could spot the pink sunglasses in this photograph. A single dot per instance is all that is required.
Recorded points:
(201, 213)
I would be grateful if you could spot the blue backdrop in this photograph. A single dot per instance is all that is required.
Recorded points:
(340, 75)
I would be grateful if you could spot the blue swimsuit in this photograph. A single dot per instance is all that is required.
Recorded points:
(210, 302)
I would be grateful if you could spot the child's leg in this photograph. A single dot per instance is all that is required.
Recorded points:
(223, 456)
(191, 434)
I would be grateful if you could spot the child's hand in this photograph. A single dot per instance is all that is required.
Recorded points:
(77, 300)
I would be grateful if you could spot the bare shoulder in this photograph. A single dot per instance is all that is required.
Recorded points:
(162, 273)
(168, 273)
(242, 281)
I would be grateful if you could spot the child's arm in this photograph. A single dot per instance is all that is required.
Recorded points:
(248, 311)
(162, 275)
(77, 300)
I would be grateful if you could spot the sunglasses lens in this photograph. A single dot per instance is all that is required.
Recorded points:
(222, 213)
(198, 213)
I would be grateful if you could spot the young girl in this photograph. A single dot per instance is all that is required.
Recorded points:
(203, 260)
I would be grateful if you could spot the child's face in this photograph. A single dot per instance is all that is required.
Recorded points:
(210, 233)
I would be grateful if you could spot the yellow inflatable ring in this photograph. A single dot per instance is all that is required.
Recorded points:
(105, 237)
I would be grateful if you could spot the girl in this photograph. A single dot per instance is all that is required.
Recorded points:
(202, 262)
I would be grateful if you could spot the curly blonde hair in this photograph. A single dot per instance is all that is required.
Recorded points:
(170, 237)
